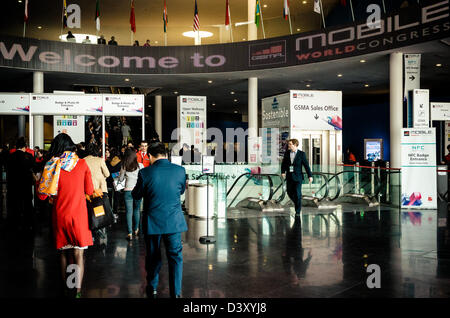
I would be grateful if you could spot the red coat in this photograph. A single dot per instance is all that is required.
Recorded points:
(145, 160)
(70, 216)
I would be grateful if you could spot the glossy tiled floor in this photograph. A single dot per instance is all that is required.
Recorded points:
(322, 254)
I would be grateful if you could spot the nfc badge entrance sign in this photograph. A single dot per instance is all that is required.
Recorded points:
(419, 180)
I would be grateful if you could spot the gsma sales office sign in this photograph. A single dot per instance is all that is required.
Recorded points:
(418, 155)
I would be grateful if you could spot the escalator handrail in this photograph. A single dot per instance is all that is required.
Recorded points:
(378, 188)
(313, 173)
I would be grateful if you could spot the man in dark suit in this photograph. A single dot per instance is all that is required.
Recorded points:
(161, 185)
(291, 169)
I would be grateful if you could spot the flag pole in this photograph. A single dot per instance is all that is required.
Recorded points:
(165, 38)
(290, 24)
(231, 24)
(262, 20)
(323, 15)
(24, 27)
(351, 8)
(384, 7)
(62, 21)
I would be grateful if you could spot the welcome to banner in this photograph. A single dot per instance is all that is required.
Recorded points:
(407, 27)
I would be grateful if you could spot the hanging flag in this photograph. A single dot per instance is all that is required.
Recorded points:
(257, 13)
(343, 2)
(65, 15)
(132, 18)
(97, 15)
(286, 9)
(317, 6)
(165, 17)
(227, 15)
(25, 18)
(196, 20)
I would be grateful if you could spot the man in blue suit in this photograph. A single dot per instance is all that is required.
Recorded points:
(291, 169)
(161, 185)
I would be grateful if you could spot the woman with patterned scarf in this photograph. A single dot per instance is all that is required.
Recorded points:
(67, 179)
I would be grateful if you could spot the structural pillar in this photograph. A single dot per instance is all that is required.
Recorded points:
(396, 107)
(252, 30)
(252, 107)
(38, 121)
(158, 116)
(21, 125)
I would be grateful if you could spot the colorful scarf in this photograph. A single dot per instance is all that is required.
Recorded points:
(48, 184)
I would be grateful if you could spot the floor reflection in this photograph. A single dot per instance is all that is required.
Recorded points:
(320, 254)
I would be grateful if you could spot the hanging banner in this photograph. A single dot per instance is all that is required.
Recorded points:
(123, 104)
(418, 157)
(53, 104)
(14, 104)
(421, 108)
(440, 111)
(71, 125)
(316, 110)
(317, 6)
(191, 119)
(412, 73)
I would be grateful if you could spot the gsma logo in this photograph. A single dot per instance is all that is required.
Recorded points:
(184, 100)
(295, 95)
(107, 98)
(406, 133)
(34, 97)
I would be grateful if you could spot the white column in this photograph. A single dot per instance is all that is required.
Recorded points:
(396, 107)
(38, 121)
(158, 116)
(253, 107)
(251, 27)
(21, 125)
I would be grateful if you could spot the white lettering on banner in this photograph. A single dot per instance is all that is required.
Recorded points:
(50, 57)
(74, 16)
(84, 56)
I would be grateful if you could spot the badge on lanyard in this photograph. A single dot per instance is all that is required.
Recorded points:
(291, 168)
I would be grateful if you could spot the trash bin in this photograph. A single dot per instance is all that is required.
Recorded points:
(201, 199)
(189, 196)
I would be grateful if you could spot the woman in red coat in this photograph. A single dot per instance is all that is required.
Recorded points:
(67, 179)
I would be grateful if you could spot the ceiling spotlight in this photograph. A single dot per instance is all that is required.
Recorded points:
(265, 6)
(20, 1)
(127, 80)
(235, 100)
(156, 42)
(366, 85)
(439, 65)
(175, 92)
(232, 93)
(339, 75)
(214, 104)
(39, 27)
(243, 39)
(298, 29)
(209, 81)
(304, 2)
(235, 111)
(362, 61)
(308, 85)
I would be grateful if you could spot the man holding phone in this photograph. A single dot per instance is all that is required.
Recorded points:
(291, 170)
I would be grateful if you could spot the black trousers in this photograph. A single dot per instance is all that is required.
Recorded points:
(294, 191)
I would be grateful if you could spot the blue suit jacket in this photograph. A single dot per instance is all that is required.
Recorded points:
(161, 186)
(299, 161)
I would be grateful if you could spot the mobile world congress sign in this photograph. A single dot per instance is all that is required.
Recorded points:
(407, 27)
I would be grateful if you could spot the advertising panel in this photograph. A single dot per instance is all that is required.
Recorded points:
(72, 125)
(421, 108)
(53, 104)
(123, 104)
(191, 120)
(373, 149)
(440, 111)
(418, 157)
(14, 104)
(316, 110)
(275, 111)
(412, 72)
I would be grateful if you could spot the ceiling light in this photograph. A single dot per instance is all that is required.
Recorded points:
(232, 93)
(192, 34)
(362, 61)
(243, 39)
(235, 111)
(265, 6)
(20, 1)
(235, 100)
(339, 75)
(209, 81)
(175, 92)
(366, 85)
(439, 65)
(298, 29)
(127, 80)
(156, 42)
(308, 85)
(304, 2)
(214, 104)
(39, 27)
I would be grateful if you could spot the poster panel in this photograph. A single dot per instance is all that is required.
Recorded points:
(53, 104)
(316, 110)
(418, 157)
(14, 104)
(275, 111)
(412, 72)
(72, 125)
(440, 111)
(208, 164)
(191, 120)
(421, 108)
(123, 104)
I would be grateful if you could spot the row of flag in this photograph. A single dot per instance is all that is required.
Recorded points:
(196, 24)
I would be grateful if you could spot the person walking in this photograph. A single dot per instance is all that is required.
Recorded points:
(129, 173)
(67, 180)
(161, 185)
(114, 166)
(99, 173)
(291, 170)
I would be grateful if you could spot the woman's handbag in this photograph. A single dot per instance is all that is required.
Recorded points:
(99, 210)
(118, 185)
